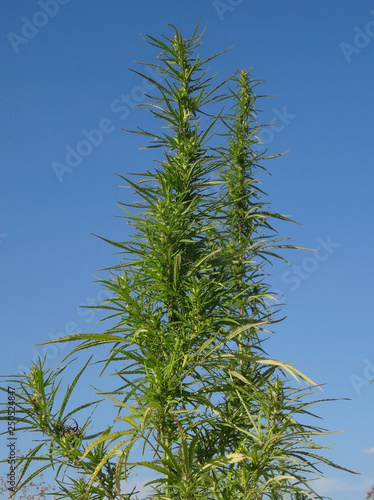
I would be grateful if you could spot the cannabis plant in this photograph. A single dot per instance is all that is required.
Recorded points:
(197, 401)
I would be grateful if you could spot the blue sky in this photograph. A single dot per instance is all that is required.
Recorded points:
(65, 73)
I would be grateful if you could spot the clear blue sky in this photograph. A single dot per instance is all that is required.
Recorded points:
(65, 73)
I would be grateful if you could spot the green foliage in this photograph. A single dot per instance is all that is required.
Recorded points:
(199, 404)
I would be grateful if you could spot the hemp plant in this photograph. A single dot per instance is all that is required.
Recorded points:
(198, 402)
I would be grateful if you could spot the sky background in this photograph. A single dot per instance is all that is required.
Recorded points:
(66, 72)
